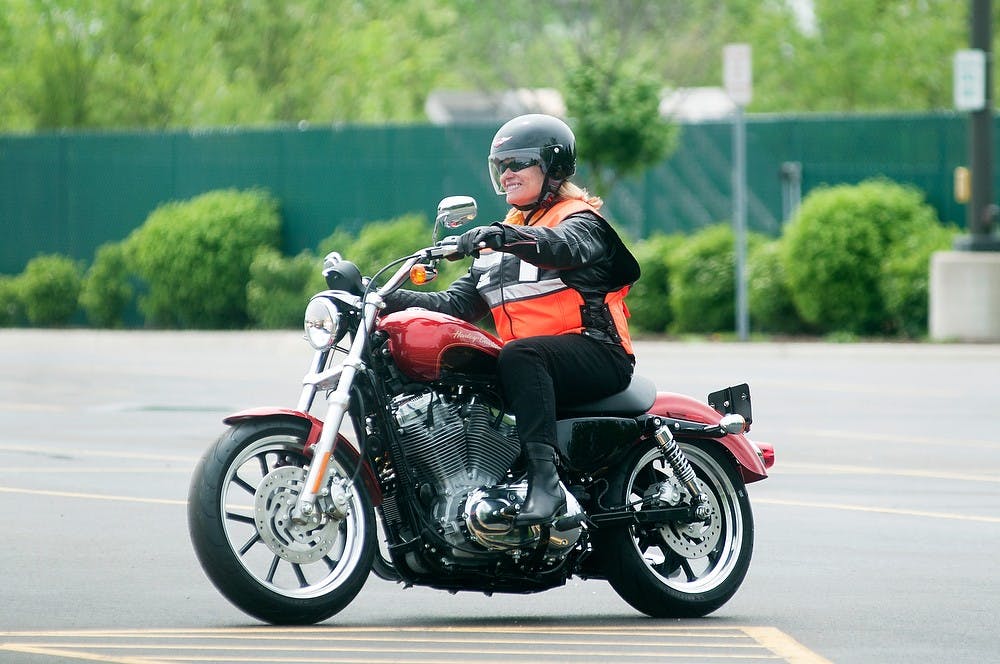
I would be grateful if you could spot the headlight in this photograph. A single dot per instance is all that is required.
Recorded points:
(322, 323)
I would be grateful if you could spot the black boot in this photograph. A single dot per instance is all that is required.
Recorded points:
(545, 496)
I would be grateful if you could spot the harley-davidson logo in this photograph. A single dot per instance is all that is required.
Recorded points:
(461, 336)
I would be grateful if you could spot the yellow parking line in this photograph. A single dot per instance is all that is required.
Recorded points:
(482, 648)
(665, 641)
(77, 470)
(71, 654)
(276, 633)
(413, 644)
(784, 646)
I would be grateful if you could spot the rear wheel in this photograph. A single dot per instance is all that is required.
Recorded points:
(675, 569)
(262, 561)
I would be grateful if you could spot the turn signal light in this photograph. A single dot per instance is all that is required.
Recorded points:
(422, 274)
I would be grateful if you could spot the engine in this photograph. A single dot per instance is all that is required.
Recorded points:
(458, 450)
(453, 447)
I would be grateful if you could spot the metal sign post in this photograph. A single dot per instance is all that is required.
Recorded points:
(973, 94)
(737, 73)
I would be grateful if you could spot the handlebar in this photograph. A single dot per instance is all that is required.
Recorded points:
(446, 248)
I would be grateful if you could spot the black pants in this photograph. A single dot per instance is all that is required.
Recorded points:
(540, 374)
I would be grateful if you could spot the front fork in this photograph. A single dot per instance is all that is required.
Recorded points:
(338, 401)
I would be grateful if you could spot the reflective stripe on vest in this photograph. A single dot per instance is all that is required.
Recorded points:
(537, 302)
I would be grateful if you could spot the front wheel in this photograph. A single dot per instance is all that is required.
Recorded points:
(675, 569)
(239, 519)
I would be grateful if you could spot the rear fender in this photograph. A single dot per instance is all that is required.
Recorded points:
(315, 428)
(749, 456)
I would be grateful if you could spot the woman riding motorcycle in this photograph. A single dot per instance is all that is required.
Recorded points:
(554, 275)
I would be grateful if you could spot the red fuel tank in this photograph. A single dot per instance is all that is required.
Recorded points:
(427, 345)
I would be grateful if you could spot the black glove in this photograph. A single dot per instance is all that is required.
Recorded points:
(484, 237)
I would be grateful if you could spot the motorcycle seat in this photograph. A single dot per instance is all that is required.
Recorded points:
(634, 400)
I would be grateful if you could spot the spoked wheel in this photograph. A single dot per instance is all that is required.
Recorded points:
(239, 506)
(679, 569)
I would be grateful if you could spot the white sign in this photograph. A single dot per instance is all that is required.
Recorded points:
(970, 80)
(737, 73)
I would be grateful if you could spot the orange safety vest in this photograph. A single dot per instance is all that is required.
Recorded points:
(530, 301)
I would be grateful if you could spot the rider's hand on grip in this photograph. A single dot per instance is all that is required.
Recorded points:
(484, 237)
(451, 242)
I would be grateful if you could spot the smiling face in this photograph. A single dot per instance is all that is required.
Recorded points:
(523, 187)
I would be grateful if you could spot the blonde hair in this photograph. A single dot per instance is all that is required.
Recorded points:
(567, 191)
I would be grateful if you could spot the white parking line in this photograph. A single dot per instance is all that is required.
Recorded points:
(879, 510)
(91, 496)
(905, 439)
(107, 454)
(836, 469)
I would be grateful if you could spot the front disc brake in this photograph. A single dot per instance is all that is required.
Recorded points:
(273, 504)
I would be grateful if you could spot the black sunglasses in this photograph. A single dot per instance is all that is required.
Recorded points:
(514, 164)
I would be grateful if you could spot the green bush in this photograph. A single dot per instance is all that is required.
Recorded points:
(11, 307)
(649, 300)
(906, 276)
(106, 289)
(194, 257)
(50, 289)
(770, 302)
(380, 242)
(280, 287)
(703, 280)
(340, 241)
(834, 247)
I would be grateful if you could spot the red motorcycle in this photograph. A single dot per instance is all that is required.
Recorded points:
(288, 515)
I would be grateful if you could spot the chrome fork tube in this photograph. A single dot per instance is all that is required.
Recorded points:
(338, 400)
(308, 393)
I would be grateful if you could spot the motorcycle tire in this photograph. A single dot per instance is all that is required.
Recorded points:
(238, 504)
(677, 570)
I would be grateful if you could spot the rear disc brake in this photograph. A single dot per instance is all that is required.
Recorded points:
(698, 538)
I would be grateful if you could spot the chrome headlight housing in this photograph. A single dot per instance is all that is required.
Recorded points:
(322, 322)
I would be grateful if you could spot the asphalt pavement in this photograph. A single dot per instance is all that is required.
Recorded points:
(876, 535)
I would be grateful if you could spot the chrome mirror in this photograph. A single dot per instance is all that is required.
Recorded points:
(454, 211)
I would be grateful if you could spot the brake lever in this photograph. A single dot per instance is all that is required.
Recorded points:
(447, 248)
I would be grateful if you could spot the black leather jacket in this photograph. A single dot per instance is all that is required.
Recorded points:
(584, 251)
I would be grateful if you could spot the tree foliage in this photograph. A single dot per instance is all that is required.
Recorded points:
(619, 129)
(143, 63)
